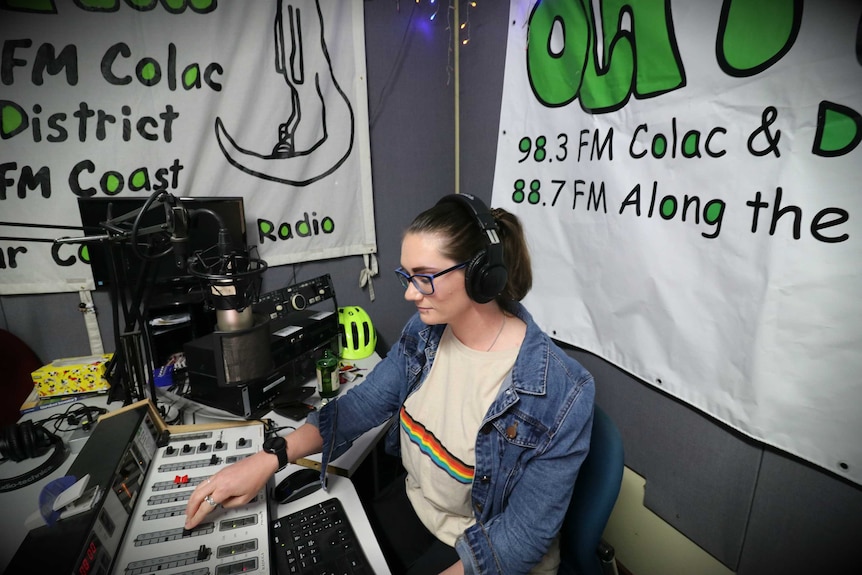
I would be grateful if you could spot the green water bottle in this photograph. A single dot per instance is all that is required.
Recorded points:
(328, 381)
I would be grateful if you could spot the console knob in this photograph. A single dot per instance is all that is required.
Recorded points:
(298, 302)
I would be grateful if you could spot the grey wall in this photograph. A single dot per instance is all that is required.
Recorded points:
(756, 510)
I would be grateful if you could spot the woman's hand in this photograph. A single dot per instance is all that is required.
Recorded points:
(233, 486)
(237, 484)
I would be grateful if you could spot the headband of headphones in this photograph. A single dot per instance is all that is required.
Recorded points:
(486, 273)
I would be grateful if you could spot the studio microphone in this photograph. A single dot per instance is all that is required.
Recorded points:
(232, 280)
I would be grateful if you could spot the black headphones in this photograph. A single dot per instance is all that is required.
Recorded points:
(25, 440)
(486, 272)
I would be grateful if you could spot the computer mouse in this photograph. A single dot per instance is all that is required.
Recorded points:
(297, 484)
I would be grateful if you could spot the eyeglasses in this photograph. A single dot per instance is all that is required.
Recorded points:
(424, 283)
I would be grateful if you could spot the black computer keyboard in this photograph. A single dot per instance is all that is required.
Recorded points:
(318, 540)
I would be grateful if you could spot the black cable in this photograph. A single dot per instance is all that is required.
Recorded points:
(136, 226)
(77, 415)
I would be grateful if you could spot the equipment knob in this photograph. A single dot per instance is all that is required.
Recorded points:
(298, 301)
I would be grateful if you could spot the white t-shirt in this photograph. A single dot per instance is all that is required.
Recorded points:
(439, 425)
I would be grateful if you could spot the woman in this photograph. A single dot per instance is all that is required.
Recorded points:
(494, 419)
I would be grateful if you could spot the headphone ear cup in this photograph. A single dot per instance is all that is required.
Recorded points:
(28, 438)
(494, 280)
(473, 277)
(12, 443)
(484, 280)
(42, 440)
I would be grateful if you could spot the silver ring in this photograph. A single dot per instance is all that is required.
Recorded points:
(211, 501)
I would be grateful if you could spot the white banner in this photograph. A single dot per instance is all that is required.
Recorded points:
(265, 100)
(689, 176)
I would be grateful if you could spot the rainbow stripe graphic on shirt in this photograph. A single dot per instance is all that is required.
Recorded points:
(431, 446)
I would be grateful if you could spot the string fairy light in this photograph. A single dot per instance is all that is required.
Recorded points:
(465, 25)
(461, 28)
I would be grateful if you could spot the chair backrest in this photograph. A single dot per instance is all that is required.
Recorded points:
(595, 494)
(18, 361)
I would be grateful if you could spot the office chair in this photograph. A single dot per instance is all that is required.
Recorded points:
(17, 361)
(582, 551)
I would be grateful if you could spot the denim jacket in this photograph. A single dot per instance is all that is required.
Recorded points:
(528, 452)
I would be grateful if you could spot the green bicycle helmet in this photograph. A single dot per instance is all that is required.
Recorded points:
(358, 338)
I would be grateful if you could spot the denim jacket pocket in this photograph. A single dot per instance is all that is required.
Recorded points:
(505, 446)
(520, 430)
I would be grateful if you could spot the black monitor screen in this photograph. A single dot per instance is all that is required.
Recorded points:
(202, 233)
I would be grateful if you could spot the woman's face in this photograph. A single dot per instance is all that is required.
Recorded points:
(420, 254)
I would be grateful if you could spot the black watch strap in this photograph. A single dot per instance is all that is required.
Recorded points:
(278, 447)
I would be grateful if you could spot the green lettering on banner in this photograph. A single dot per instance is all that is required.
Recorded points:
(13, 119)
(755, 34)
(839, 130)
(563, 61)
(557, 51)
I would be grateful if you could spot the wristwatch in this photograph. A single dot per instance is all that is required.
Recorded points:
(278, 447)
